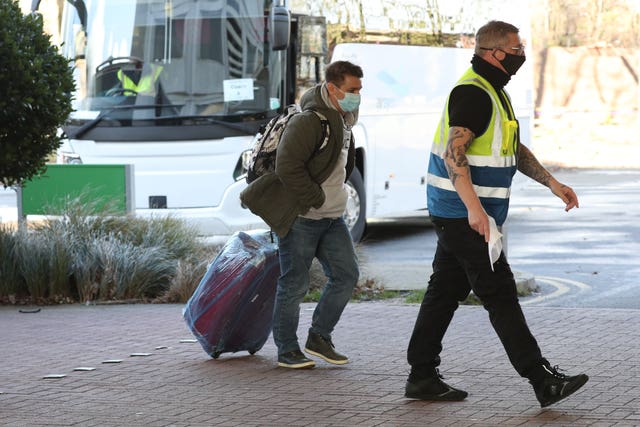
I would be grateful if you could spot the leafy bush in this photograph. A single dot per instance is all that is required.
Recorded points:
(35, 95)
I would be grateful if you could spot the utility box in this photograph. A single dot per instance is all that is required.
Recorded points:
(100, 188)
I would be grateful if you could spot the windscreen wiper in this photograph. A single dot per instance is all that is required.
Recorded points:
(103, 114)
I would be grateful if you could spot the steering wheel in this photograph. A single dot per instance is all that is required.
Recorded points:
(119, 60)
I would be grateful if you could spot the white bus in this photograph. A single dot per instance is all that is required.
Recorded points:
(178, 89)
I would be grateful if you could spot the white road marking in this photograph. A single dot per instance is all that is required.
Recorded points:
(562, 287)
(582, 286)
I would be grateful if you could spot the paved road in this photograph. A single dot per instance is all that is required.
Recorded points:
(594, 251)
(177, 384)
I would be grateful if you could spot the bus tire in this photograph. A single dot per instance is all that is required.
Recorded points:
(356, 211)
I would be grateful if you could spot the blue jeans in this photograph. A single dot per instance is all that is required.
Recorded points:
(329, 240)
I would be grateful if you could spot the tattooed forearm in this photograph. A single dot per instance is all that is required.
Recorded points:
(455, 157)
(530, 166)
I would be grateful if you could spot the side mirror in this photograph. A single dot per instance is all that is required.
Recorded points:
(279, 27)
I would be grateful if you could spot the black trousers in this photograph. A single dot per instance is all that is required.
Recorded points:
(461, 263)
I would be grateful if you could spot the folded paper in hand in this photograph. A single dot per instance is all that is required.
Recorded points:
(495, 242)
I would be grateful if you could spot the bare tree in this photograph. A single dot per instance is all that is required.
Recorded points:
(571, 23)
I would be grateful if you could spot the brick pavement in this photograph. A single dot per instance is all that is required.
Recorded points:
(179, 385)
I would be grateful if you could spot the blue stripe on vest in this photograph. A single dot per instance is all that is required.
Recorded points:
(486, 176)
(436, 166)
(447, 204)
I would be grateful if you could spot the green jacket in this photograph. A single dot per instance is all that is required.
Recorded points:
(280, 197)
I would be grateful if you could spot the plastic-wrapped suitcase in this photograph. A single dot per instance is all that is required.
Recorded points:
(231, 309)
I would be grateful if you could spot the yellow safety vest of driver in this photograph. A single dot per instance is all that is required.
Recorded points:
(146, 85)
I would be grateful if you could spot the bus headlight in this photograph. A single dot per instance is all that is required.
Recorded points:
(242, 166)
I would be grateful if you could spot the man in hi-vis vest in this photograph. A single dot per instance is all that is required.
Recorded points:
(475, 153)
(146, 85)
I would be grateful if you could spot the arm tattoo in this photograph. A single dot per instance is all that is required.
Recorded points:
(455, 157)
(530, 166)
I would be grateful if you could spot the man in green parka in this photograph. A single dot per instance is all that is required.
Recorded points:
(303, 202)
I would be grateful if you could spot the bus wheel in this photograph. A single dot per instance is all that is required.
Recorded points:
(355, 213)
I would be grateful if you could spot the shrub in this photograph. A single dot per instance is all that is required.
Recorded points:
(97, 258)
(35, 95)
(32, 258)
(11, 282)
(188, 274)
(133, 272)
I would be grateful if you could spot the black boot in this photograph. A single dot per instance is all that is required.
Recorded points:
(432, 388)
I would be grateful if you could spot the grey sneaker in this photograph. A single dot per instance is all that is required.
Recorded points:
(432, 388)
(554, 386)
(295, 359)
(319, 346)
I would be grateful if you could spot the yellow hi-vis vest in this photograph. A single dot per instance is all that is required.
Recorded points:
(146, 85)
(491, 156)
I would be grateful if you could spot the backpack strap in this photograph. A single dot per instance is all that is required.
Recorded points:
(326, 129)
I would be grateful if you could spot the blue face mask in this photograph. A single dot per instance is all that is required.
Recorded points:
(350, 102)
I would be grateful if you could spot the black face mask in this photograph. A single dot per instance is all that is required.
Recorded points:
(512, 63)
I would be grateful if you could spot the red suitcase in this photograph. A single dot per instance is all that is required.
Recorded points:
(231, 309)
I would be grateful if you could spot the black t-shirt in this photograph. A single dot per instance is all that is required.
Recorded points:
(469, 106)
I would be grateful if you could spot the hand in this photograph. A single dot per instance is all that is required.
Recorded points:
(566, 193)
(479, 221)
